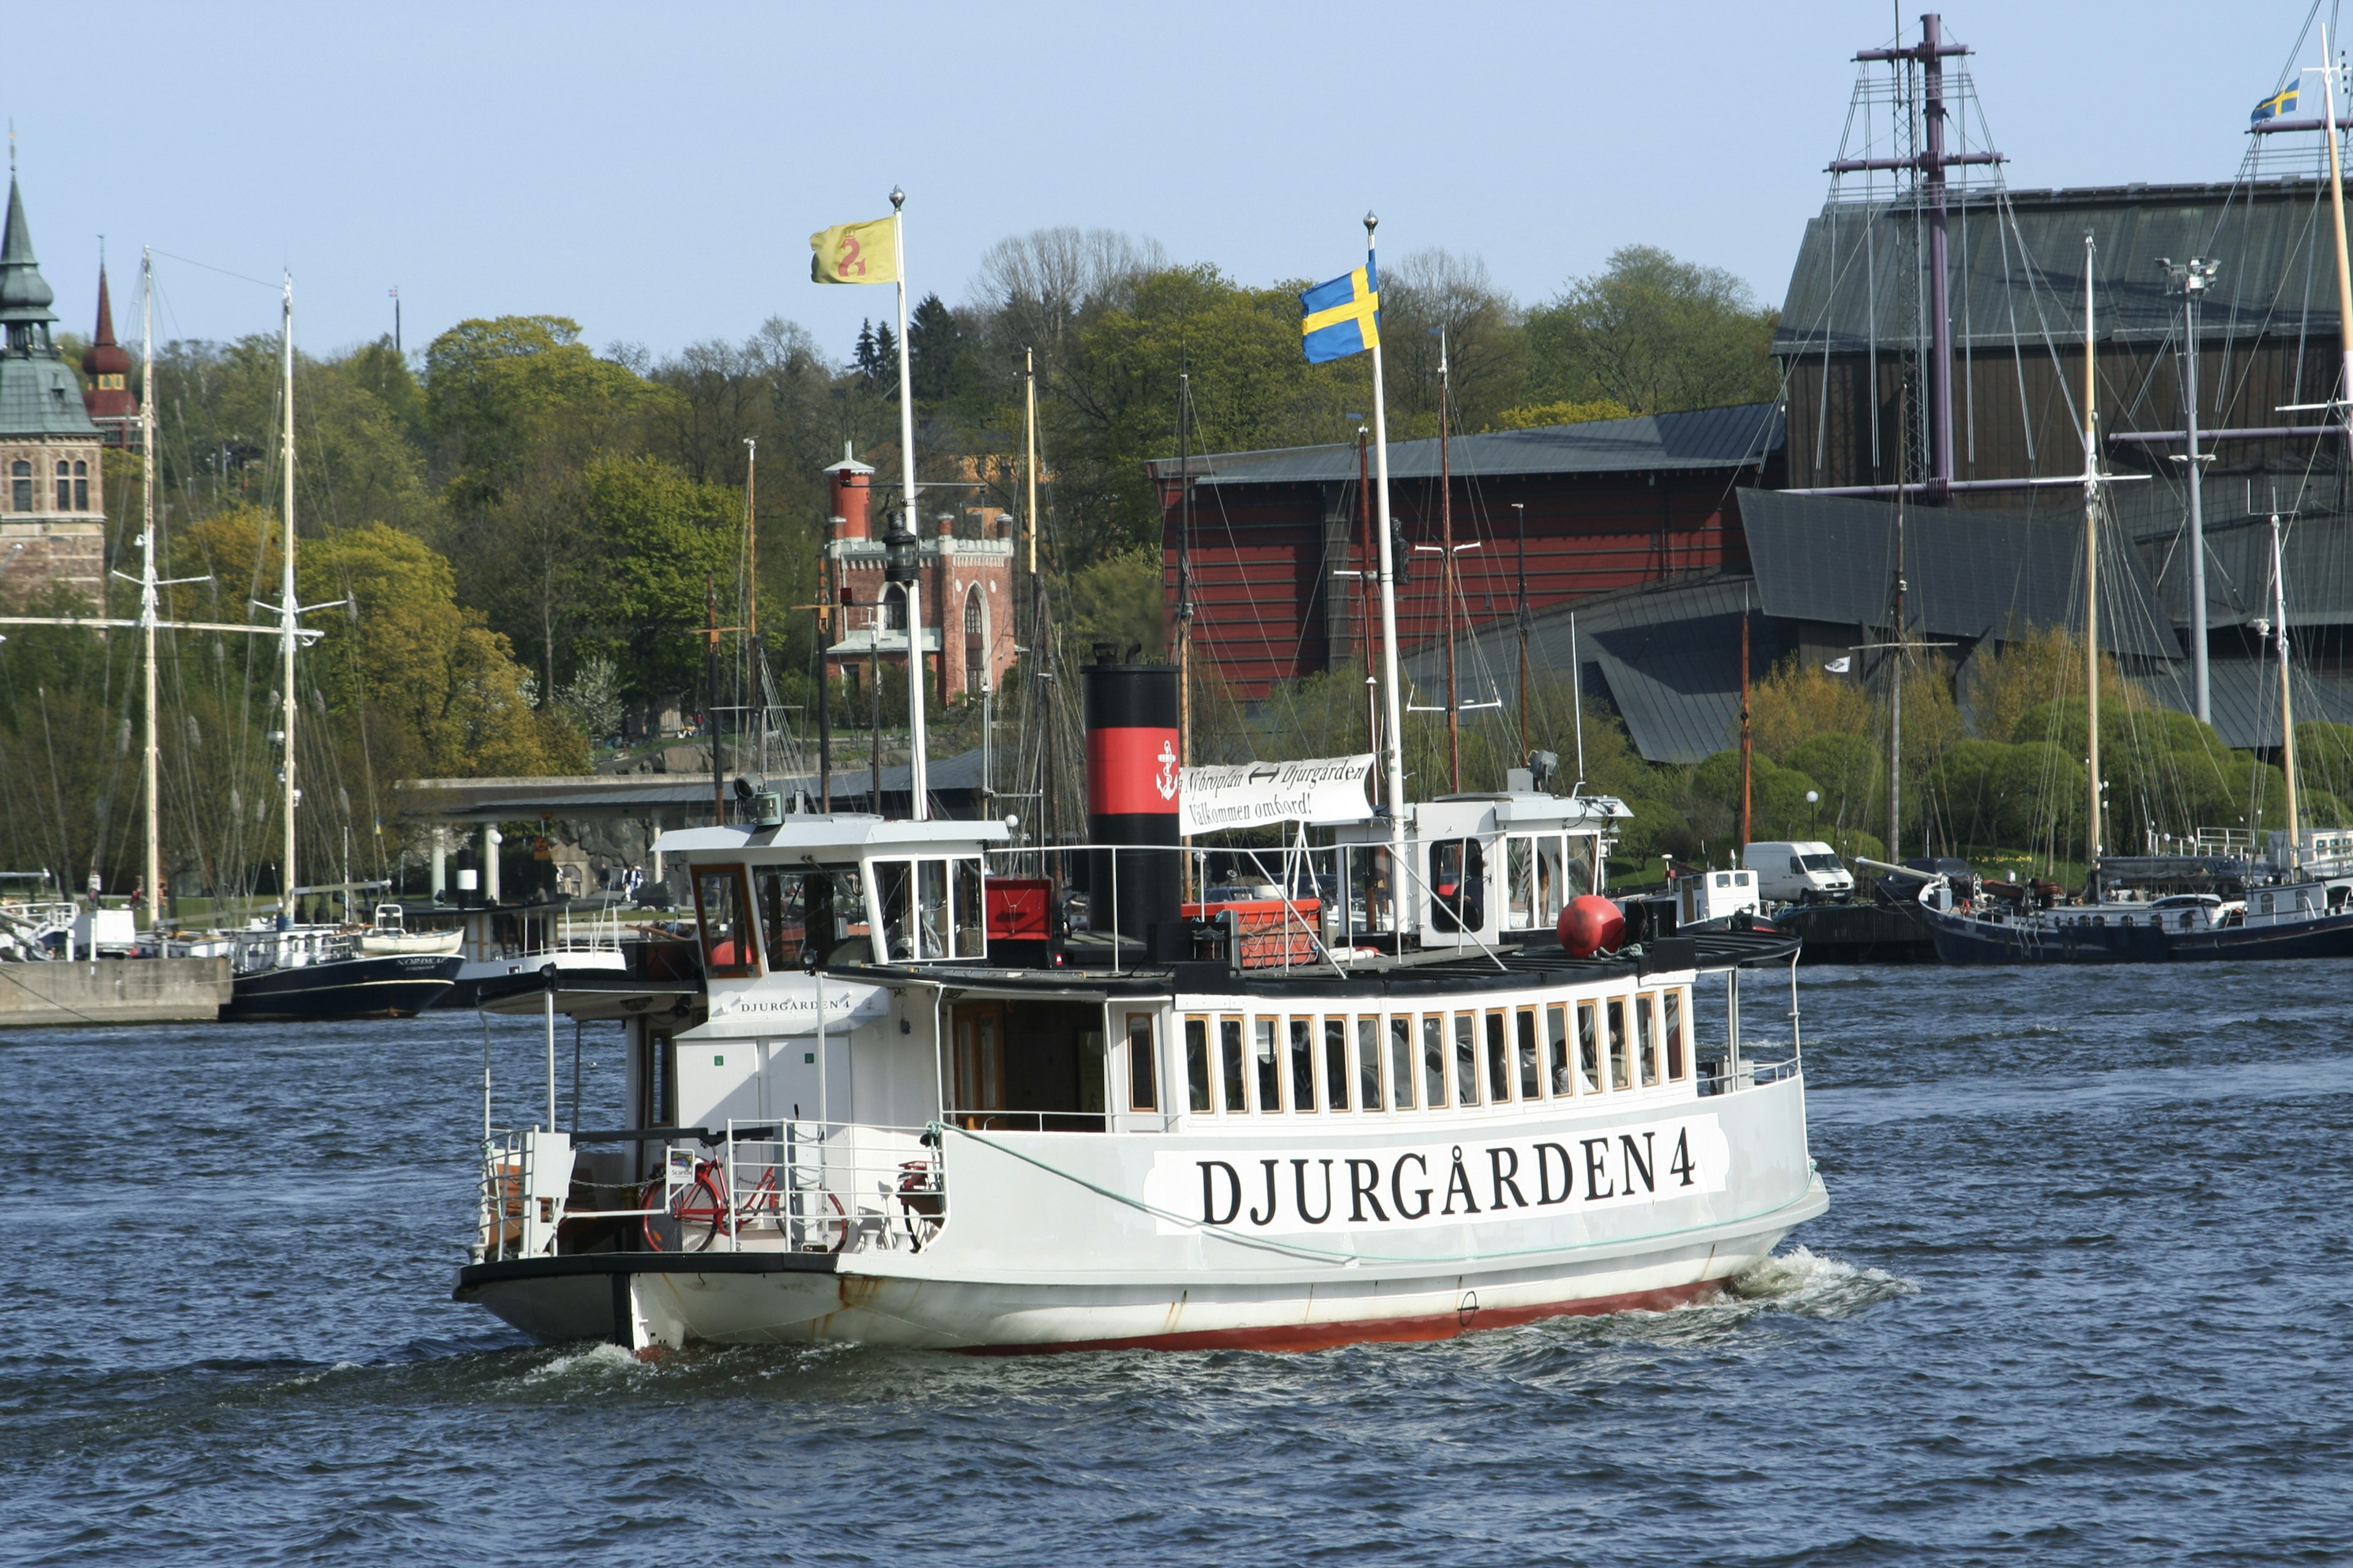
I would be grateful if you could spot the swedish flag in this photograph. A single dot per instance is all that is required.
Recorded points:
(1341, 317)
(2279, 103)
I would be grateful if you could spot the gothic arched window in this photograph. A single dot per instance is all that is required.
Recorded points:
(975, 641)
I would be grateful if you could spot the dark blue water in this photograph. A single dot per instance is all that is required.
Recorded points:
(2081, 1298)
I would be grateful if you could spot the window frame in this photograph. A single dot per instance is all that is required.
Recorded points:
(1143, 1071)
(1201, 1090)
(1496, 1049)
(747, 941)
(1337, 1066)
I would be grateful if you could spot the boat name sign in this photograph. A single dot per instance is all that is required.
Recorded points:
(786, 1004)
(1440, 1184)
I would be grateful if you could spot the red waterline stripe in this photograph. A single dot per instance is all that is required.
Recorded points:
(1364, 1331)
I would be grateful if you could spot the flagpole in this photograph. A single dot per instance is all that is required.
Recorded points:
(1391, 702)
(918, 782)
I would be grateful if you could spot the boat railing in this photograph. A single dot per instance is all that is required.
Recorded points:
(776, 1185)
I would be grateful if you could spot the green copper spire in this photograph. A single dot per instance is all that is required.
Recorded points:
(25, 294)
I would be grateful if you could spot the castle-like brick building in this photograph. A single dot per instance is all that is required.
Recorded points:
(52, 485)
(966, 579)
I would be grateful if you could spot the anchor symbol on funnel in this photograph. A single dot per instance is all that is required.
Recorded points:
(1165, 780)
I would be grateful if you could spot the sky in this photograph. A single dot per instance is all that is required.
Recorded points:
(654, 170)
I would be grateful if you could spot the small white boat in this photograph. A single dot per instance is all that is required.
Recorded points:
(390, 935)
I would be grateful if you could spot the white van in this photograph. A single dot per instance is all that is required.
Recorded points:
(1798, 872)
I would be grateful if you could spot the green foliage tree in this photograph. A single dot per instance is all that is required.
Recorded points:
(1654, 334)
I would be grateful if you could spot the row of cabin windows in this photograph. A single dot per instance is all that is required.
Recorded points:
(72, 486)
(1541, 873)
(932, 909)
(1408, 1061)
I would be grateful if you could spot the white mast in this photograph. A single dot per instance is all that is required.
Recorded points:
(148, 605)
(1389, 685)
(2091, 576)
(2337, 228)
(2288, 712)
(918, 781)
(287, 610)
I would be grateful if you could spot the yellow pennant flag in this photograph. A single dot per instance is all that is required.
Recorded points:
(856, 252)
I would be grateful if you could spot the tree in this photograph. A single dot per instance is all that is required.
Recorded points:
(1655, 334)
(935, 347)
(495, 388)
(1435, 292)
(655, 538)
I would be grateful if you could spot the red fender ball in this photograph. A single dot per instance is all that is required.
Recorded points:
(1591, 925)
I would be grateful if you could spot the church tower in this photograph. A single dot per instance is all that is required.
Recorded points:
(52, 508)
(106, 372)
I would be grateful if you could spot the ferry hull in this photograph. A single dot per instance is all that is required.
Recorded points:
(1131, 1280)
(681, 1300)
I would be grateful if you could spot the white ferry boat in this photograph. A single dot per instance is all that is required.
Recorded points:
(898, 1111)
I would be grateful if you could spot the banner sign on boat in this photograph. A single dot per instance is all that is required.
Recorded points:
(786, 1004)
(1319, 790)
(1425, 1184)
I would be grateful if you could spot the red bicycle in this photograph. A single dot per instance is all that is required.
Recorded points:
(702, 1213)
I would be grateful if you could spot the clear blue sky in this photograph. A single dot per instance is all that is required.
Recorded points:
(654, 170)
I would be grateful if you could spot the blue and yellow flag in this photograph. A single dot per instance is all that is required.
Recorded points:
(1341, 317)
(2279, 103)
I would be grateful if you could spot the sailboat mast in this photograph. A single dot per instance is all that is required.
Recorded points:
(287, 609)
(1446, 571)
(1185, 596)
(148, 607)
(2337, 228)
(2287, 711)
(1184, 569)
(1389, 698)
(2091, 573)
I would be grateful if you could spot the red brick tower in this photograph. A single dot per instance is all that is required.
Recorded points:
(113, 406)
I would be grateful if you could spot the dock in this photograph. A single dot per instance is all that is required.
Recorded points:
(111, 991)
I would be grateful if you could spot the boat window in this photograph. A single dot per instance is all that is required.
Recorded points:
(1548, 881)
(1558, 1068)
(1678, 1055)
(784, 916)
(721, 902)
(980, 1061)
(894, 886)
(971, 935)
(1458, 885)
(1433, 1060)
(1370, 907)
(1303, 1064)
(1621, 1069)
(1520, 873)
(1197, 1064)
(1499, 1062)
(1401, 1063)
(2264, 904)
(1270, 1071)
(1336, 1063)
(1368, 1063)
(1466, 1059)
(1143, 1065)
(1646, 1038)
(1531, 1085)
(1229, 1048)
(1091, 1067)
(931, 908)
(1589, 1049)
(1577, 877)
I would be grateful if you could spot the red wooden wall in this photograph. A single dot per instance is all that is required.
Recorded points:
(1262, 570)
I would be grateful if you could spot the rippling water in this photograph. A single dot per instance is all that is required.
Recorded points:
(2080, 1297)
